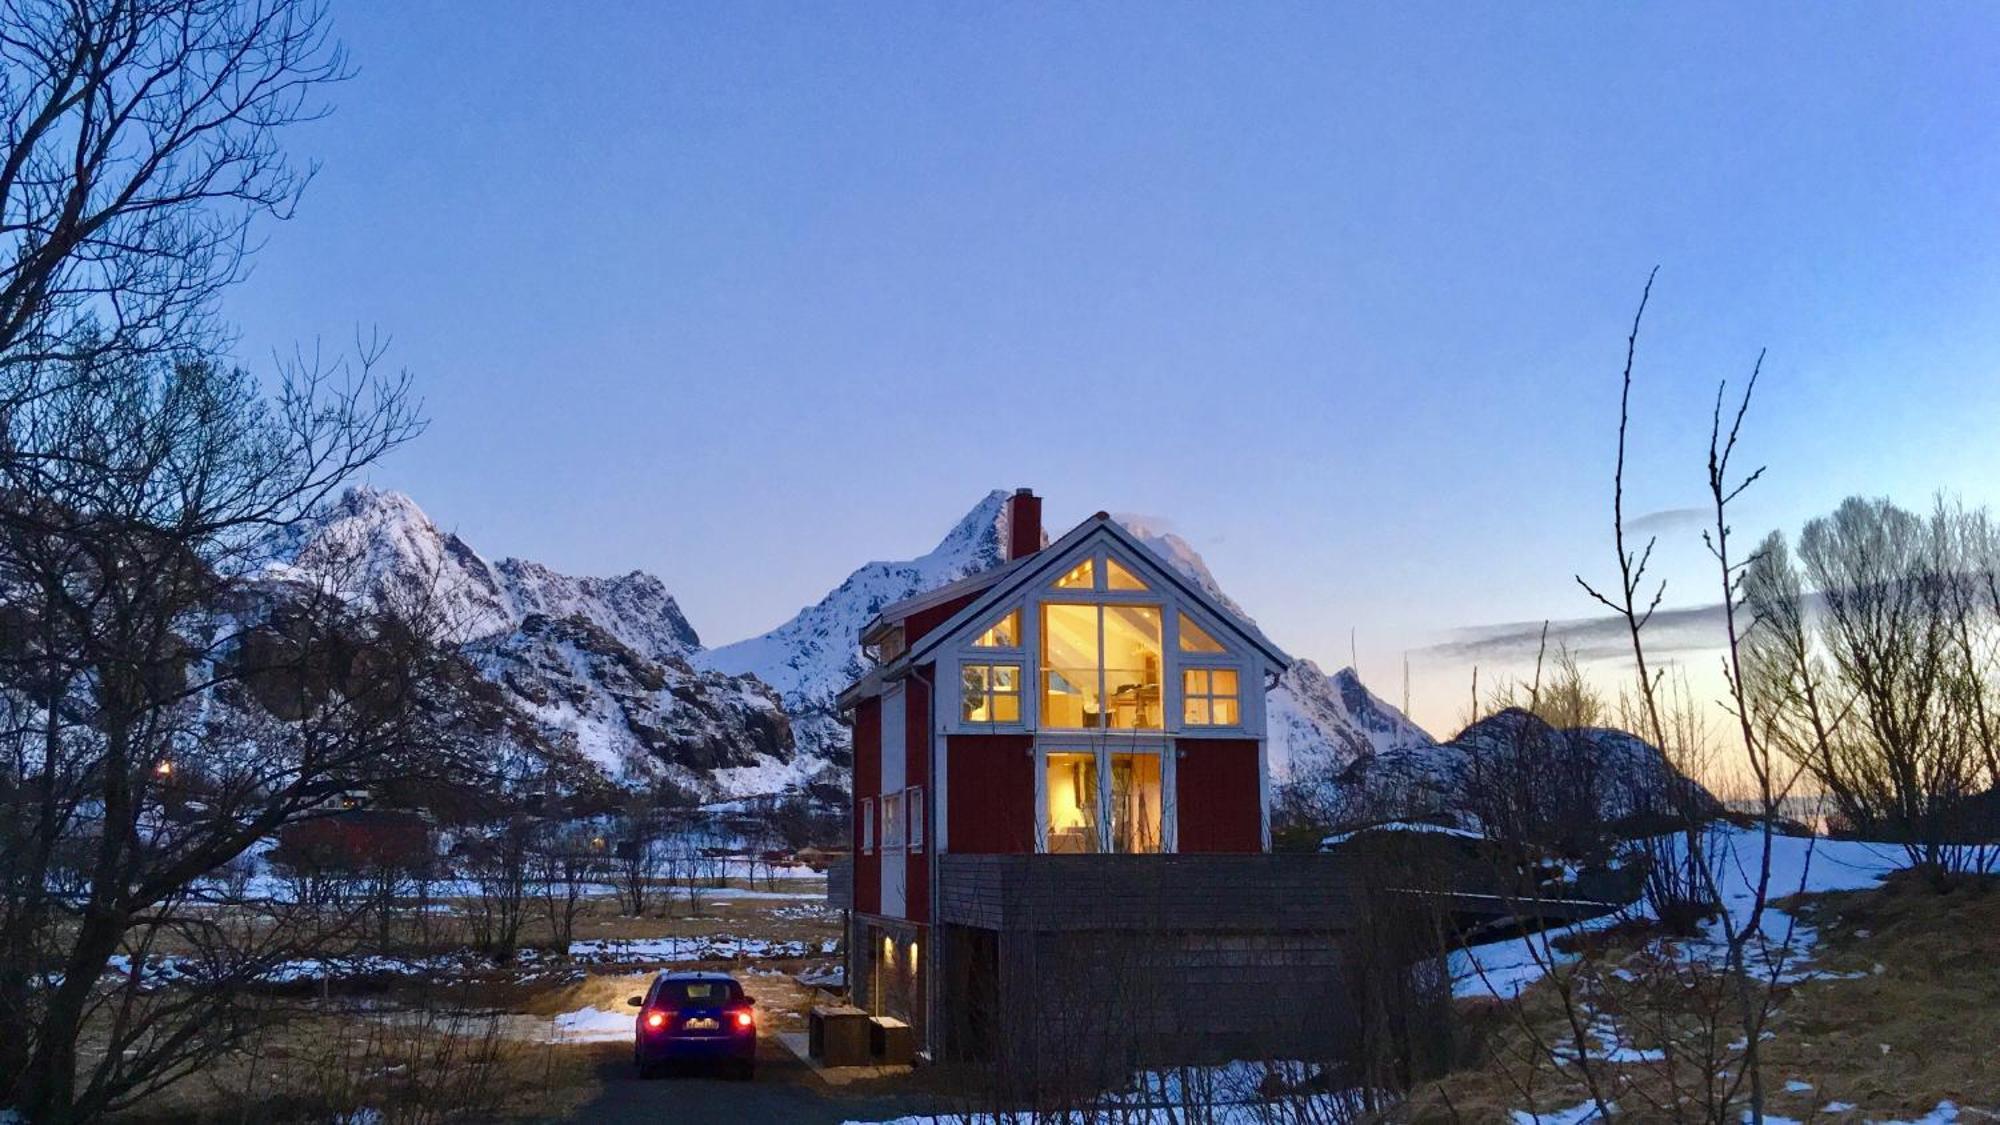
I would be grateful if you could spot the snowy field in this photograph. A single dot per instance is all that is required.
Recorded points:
(1809, 866)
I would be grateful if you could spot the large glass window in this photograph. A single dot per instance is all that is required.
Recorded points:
(990, 693)
(1071, 785)
(1137, 797)
(1004, 633)
(1132, 666)
(1082, 576)
(1116, 683)
(1209, 697)
(1194, 638)
(1118, 577)
(1071, 694)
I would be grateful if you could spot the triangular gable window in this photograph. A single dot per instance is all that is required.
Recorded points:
(1194, 638)
(1004, 633)
(1117, 577)
(1082, 576)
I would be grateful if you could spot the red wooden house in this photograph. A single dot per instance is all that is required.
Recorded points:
(1023, 734)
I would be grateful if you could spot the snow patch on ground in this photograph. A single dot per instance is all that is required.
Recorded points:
(688, 950)
(1811, 866)
(591, 1025)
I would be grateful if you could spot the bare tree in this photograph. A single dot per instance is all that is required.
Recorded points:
(159, 704)
(142, 139)
(1885, 695)
(640, 855)
(499, 860)
(568, 860)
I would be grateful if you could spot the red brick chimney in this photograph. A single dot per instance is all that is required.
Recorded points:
(1024, 523)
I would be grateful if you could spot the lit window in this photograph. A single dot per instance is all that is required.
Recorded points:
(1136, 797)
(1082, 576)
(916, 811)
(1117, 577)
(1005, 633)
(867, 825)
(1071, 784)
(892, 821)
(1208, 697)
(990, 693)
(1087, 684)
(1194, 638)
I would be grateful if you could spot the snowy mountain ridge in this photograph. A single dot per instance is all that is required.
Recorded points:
(812, 657)
(596, 664)
(378, 546)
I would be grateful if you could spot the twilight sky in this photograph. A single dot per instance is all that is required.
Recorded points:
(746, 295)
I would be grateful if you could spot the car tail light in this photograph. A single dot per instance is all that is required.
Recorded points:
(656, 1020)
(744, 1020)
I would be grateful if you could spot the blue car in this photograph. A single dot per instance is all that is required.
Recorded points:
(695, 1018)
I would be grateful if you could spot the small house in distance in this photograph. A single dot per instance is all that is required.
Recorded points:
(1060, 771)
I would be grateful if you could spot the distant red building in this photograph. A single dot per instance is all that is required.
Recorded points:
(358, 840)
(1081, 699)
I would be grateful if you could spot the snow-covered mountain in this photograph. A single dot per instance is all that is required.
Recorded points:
(817, 653)
(1320, 724)
(809, 659)
(597, 664)
(1513, 755)
(376, 545)
(611, 667)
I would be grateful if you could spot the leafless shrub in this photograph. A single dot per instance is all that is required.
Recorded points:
(1886, 694)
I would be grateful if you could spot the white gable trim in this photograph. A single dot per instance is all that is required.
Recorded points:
(1046, 564)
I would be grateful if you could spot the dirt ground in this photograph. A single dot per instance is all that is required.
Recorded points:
(487, 1040)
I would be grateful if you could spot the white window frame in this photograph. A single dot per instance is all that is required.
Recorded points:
(893, 826)
(867, 826)
(1251, 669)
(1103, 747)
(980, 658)
(913, 813)
(1211, 666)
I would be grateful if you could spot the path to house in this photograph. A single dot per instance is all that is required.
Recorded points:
(785, 1091)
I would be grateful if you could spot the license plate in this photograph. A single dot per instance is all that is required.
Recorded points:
(702, 1023)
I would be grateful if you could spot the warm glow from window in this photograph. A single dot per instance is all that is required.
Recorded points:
(990, 693)
(1116, 577)
(1071, 692)
(1132, 666)
(1209, 697)
(1071, 781)
(1082, 576)
(1194, 638)
(1005, 633)
(1136, 799)
(1115, 684)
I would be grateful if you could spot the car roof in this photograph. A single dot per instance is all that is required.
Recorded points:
(669, 974)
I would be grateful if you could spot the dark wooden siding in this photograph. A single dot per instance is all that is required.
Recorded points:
(1220, 799)
(991, 803)
(1249, 893)
(867, 780)
(924, 620)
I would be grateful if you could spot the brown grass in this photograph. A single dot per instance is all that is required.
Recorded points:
(1918, 1022)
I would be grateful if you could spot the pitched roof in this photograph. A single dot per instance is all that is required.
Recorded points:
(1003, 581)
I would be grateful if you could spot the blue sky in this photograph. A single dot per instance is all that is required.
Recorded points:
(745, 295)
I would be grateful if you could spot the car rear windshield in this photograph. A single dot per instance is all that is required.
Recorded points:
(698, 992)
